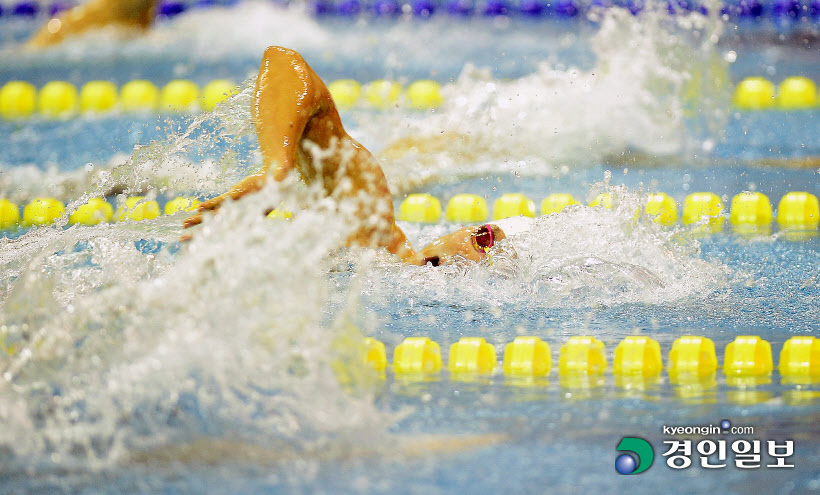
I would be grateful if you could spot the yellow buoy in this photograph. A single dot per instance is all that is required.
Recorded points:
(138, 208)
(281, 214)
(95, 211)
(9, 214)
(382, 94)
(703, 206)
(797, 93)
(513, 205)
(422, 208)
(345, 93)
(42, 211)
(747, 355)
(692, 355)
(754, 93)
(417, 355)
(582, 355)
(527, 356)
(424, 94)
(800, 358)
(181, 203)
(466, 208)
(17, 99)
(798, 210)
(139, 95)
(375, 354)
(662, 208)
(556, 202)
(57, 98)
(98, 96)
(216, 92)
(472, 355)
(750, 209)
(637, 356)
(179, 95)
(603, 199)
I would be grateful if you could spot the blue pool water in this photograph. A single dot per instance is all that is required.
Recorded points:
(132, 365)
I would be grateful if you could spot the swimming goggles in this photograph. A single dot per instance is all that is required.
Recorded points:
(483, 238)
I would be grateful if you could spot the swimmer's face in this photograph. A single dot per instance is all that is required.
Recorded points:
(470, 243)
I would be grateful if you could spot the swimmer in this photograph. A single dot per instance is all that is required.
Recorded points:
(95, 14)
(295, 118)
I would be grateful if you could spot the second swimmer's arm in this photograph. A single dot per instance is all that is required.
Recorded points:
(94, 14)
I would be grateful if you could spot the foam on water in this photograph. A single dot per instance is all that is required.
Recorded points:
(580, 257)
(113, 351)
(658, 87)
(204, 156)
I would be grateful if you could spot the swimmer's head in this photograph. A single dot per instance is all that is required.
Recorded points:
(470, 243)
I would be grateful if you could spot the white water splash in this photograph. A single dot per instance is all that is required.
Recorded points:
(658, 87)
(581, 257)
(111, 351)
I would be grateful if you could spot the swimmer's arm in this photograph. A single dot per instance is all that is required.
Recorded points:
(287, 96)
(247, 185)
(291, 104)
(94, 14)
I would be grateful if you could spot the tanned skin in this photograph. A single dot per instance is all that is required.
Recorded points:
(95, 14)
(292, 105)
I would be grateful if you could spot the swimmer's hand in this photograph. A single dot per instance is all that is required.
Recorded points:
(249, 184)
(192, 221)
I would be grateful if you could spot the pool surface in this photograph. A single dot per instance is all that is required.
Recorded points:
(235, 363)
